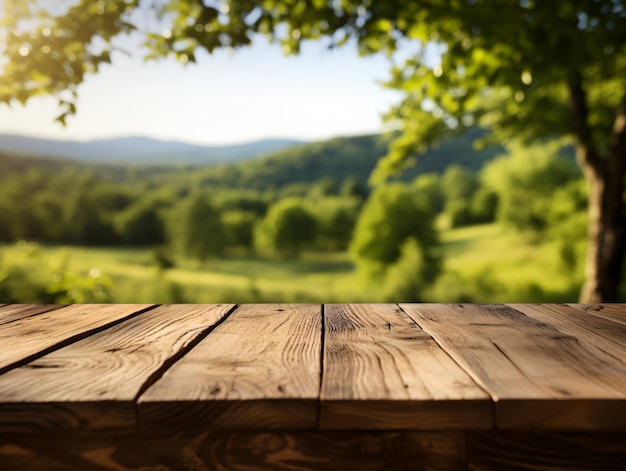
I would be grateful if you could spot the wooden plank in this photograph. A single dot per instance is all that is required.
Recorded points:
(239, 451)
(93, 383)
(612, 312)
(54, 329)
(381, 371)
(540, 451)
(595, 332)
(259, 369)
(537, 376)
(14, 312)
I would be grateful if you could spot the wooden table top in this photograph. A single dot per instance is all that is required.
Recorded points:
(164, 368)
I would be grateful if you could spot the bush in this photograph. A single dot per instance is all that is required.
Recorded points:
(525, 182)
(287, 228)
(394, 225)
(28, 277)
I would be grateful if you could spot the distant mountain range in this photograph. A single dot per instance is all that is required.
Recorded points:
(138, 150)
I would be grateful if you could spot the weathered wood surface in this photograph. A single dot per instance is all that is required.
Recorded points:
(381, 371)
(259, 369)
(26, 338)
(14, 312)
(94, 383)
(411, 386)
(595, 332)
(612, 312)
(537, 376)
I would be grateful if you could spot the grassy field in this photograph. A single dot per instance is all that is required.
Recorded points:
(487, 263)
(482, 264)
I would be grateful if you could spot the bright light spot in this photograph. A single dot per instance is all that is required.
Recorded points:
(224, 8)
(467, 120)
(527, 79)
(167, 34)
(361, 10)
(208, 27)
(437, 71)
(519, 96)
(24, 51)
(286, 49)
(101, 7)
(199, 28)
(46, 31)
(184, 58)
(94, 273)
(45, 49)
(295, 34)
(438, 113)
(427, 105)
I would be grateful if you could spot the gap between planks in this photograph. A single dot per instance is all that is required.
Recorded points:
(83, 332)
(167, 364)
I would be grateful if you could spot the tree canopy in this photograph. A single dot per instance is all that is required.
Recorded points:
(524, 68)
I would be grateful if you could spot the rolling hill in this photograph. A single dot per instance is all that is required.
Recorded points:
(340, 158)
(336, 158)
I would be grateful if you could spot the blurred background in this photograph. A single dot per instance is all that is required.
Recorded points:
(341, 152)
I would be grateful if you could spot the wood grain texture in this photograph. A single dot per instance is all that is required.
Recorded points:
(595, 332)
(381, 371)
(540, 451)
(259, 369)
(93, 383)
(527, 365)
(612, 312)
(14, 312)
(53, 329)
(240, 451)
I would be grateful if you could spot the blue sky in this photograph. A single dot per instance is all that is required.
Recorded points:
(255, 93)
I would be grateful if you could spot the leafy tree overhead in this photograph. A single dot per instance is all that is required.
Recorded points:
(563, 73)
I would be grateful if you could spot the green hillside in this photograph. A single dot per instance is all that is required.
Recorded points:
(340, 158)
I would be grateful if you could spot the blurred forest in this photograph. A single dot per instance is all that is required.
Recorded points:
(300, 224)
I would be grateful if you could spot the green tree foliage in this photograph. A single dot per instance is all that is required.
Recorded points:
(563, 73)
(395, 232)
(525, 182)
(428, 188)
(238, 227)
(459, 186)
(142, 224)
(484, 205)
(336, 217)
(287, 228)
(567, 225)
(196, 227)
(242, 200)
(327, 186)
(352, 187)
(407, 277)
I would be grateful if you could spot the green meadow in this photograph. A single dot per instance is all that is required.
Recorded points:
(483, 263)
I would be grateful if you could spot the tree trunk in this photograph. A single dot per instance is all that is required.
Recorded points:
(607, 228)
